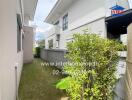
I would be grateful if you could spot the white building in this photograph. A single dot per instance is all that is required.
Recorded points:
(73, 16)
(14, 24)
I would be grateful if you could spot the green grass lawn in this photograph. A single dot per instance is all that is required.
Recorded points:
(37, 83)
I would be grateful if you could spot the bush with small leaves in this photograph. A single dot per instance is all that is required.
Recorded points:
(93, 77)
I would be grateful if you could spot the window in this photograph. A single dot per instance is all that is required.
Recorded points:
(57, 23)
(65, 22)
(19, 27)
(57, 40)
(50, 44)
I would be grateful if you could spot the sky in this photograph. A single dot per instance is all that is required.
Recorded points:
(42, 11)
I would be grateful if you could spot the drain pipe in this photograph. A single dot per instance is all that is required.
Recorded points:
(16, 84)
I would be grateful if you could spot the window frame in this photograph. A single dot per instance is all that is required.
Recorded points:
(57, 23)
(65, 22)
(19, 33)
(50, 43)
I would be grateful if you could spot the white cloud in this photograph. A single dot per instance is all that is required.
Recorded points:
(42, 11)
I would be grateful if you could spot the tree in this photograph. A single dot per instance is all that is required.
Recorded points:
(41, 43)
(92, 72)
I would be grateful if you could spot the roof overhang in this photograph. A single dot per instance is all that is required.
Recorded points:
(119, 24)
(29, 8)
(60, 7)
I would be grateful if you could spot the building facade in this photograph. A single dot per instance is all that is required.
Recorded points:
(73, 16)
(69, 17)
(14, 14)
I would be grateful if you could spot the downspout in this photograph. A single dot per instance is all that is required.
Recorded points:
(16, 83)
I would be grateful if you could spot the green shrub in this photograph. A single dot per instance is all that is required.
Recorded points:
(124, 48)
(37, 50)
(94, 77)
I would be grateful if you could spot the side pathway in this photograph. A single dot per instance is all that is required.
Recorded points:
(37, 83)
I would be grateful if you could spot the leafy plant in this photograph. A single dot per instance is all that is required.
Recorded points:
(92, 76)
(124, 48)
(41, 43)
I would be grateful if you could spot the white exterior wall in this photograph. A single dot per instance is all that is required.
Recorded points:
(50, 38)
(51, 34)
(28, 44)
(83, 12)
(97, 27)
(82, 15)
(9, 58)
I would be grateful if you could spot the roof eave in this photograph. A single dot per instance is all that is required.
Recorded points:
(52, 10)
(30, 10)
(34, 10)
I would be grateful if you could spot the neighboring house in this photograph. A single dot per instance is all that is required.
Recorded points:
(99, 16)
(14, 27)
(73, 16)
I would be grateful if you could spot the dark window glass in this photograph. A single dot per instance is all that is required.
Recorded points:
(19, 27)
(50, 44)
(65, 22)
(57, 23)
